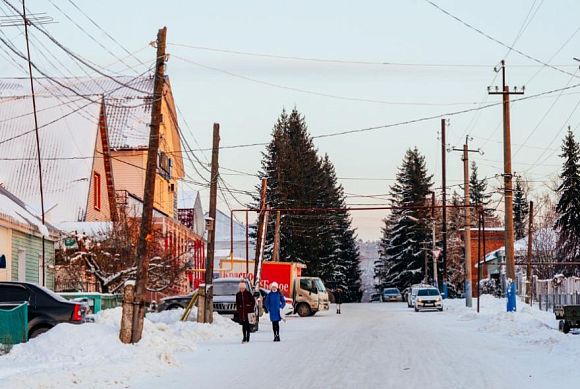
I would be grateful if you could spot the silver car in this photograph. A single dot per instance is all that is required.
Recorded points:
(428, 298)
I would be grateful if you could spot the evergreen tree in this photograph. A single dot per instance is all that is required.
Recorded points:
(478, 195)
(568, 208)
(299, 178)
(520, 206)
(455, 248)
(407, 231)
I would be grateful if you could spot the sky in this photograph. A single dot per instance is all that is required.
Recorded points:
(399, 61)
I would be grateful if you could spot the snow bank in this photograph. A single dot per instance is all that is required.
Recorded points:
(92, 355)
(528, 324)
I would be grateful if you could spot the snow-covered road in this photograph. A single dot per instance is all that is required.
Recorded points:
(368, 346)
(383, 346)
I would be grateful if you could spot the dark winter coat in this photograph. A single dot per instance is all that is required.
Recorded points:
(245, 303)
(274, 302)
(338, 296)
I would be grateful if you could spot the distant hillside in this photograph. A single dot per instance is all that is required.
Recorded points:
(369, 253)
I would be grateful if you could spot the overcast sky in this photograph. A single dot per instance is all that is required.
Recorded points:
(246, 93)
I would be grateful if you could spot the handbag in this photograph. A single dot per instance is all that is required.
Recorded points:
(252, 318)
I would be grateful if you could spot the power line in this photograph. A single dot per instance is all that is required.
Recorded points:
(335, 60)
(486, 35)
(315, 93)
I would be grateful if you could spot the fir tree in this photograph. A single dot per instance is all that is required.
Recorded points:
(520, 206)
(407, 230)
(568, 208)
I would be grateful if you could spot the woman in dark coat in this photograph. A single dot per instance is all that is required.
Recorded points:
(245, 304)
(338, 299)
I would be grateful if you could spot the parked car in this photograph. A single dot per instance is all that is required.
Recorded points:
(46, 309)
(391, 294)
(428, 298)
(224, 298)
(413, 293)
(174, 302)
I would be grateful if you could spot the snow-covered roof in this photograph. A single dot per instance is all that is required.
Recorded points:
(222, 228)
(16, 212)
(91, 229)
(68, 129)
(521, 245)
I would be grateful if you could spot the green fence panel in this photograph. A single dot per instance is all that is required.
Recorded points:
(13, 323)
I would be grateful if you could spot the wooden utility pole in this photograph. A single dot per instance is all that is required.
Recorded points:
(145, 233)
(507, 171)
(261, 219)
(444, 199)
(467, 228)
(208, 300)
(276, 253)
(529, 265)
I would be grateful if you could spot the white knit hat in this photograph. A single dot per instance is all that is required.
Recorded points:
(274, 285)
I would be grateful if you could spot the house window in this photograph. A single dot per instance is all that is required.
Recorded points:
(97, 191)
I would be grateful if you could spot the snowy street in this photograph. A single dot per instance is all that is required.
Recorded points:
(389, 346)
(381, 345)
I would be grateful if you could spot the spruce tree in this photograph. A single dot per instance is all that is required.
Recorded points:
(478, 195)
(299, 178)
(568, 208)
(407, 231)
(520, 207)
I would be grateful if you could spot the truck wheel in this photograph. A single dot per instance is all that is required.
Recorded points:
(303, 310)
(566, 327)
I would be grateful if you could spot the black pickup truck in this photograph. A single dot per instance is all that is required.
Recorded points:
(46, 309)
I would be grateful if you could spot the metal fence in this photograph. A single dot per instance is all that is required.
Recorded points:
(547, 302)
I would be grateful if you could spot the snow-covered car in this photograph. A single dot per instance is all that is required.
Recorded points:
(428, 298)
(391, 294)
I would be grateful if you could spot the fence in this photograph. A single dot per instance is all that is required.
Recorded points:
(547, 302)
(13, 324)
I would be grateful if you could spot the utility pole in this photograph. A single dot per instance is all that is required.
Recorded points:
(12, 21)
(434, 243)
(276, 253)
(529, 267)
(261, 220)
(467, 229)
(145, 233)
(507, 167)
(444, 202)
(208, 300)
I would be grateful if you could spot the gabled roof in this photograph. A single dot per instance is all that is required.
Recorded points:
(68, 129)
(21, 216)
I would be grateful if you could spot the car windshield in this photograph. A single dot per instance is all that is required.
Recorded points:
(319, 285)
(226, 288)
(428, 292)
(392, 291)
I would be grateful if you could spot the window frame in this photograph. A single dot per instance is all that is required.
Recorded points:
(97, 191)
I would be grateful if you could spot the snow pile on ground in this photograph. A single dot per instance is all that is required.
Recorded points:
(528, 324)
(92, 355)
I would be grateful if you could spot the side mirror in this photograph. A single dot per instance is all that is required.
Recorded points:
(314, 290)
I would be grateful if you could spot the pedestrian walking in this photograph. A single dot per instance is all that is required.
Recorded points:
(245, 305)
(274, 303)
(338, 299)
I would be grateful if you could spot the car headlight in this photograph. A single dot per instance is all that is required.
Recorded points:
(420, 300)
(438, 299)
